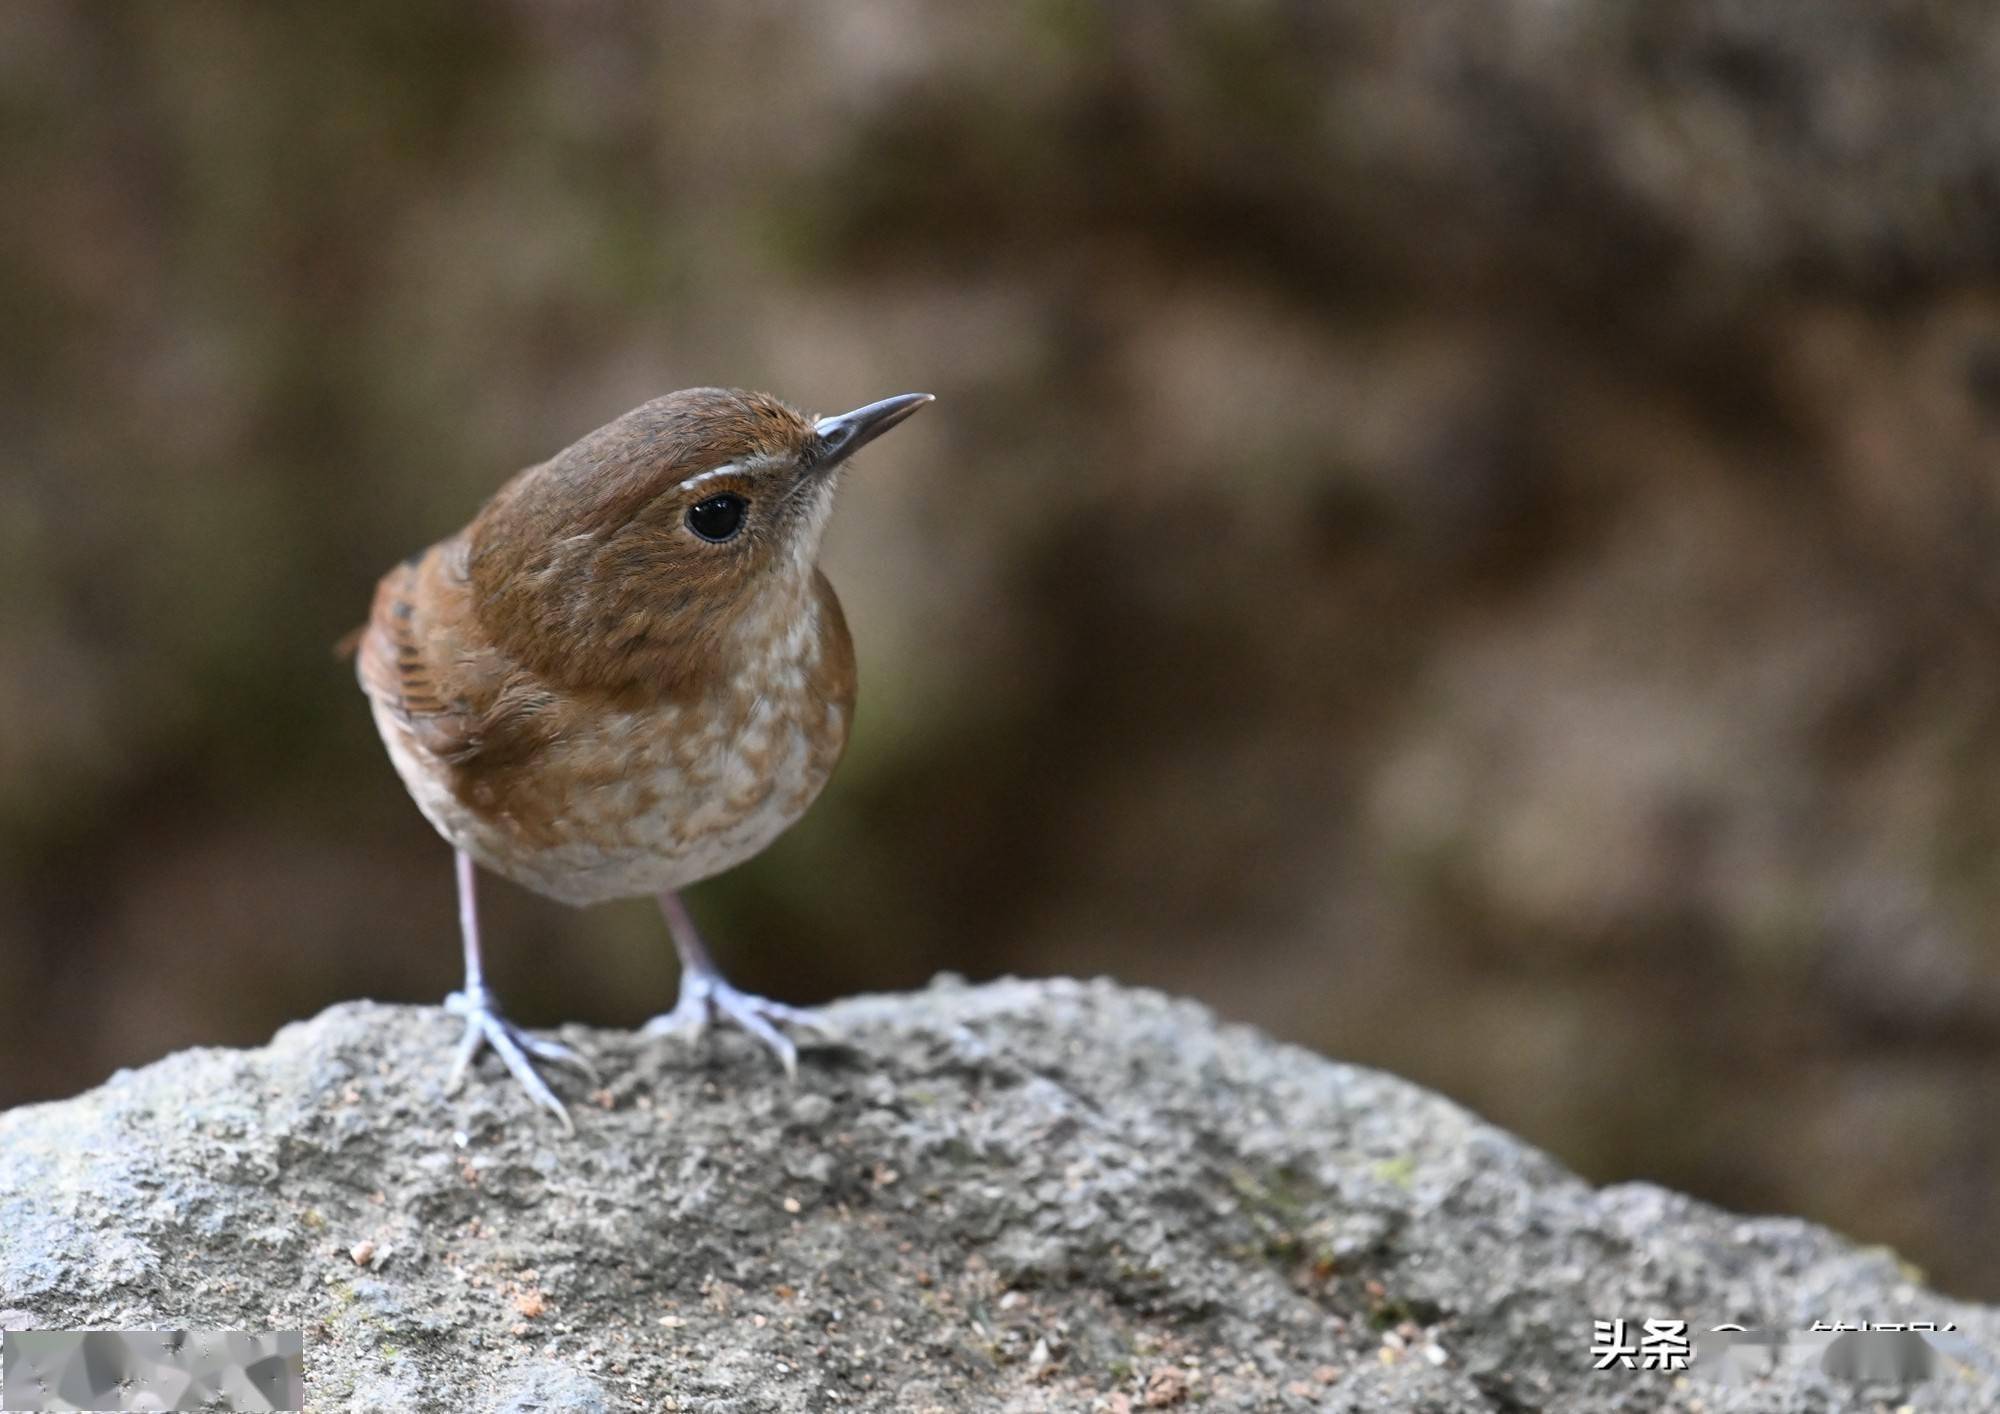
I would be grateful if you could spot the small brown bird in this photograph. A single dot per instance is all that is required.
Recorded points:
(627, 674)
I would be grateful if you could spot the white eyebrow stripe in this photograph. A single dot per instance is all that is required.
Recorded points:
(724, 470)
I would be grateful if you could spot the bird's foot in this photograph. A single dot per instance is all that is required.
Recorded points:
(485, 1026)
(704, 995)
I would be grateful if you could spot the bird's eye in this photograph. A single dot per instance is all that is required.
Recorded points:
(717, 518)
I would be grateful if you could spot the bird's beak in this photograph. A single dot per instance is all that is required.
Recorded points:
(842, 436)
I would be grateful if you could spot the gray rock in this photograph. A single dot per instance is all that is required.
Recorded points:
(551, 1388)
(1026, 1195)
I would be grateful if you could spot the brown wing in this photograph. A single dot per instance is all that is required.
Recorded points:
(422, 655)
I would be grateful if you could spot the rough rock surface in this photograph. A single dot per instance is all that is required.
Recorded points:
(1051, 1195)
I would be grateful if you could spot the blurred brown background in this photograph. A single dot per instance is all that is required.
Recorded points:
(1466, 534)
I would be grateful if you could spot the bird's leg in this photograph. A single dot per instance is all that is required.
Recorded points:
(485, 1026)
(704, 992)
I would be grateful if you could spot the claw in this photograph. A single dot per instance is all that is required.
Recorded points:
(485, 1026)
(704, 995)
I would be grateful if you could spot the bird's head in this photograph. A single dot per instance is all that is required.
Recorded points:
(635, 552)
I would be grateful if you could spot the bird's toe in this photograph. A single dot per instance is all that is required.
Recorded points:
(486, 1028)
(703, 998)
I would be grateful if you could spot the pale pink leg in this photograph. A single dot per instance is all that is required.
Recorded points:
(704, 992)
(485, 1026)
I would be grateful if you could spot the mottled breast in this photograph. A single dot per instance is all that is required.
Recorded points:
(628, 799)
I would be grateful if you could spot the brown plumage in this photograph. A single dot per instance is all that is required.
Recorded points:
(627, 673)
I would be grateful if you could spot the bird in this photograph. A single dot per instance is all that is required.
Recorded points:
(626, 674)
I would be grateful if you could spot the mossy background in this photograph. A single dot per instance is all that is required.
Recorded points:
(1465, 534)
